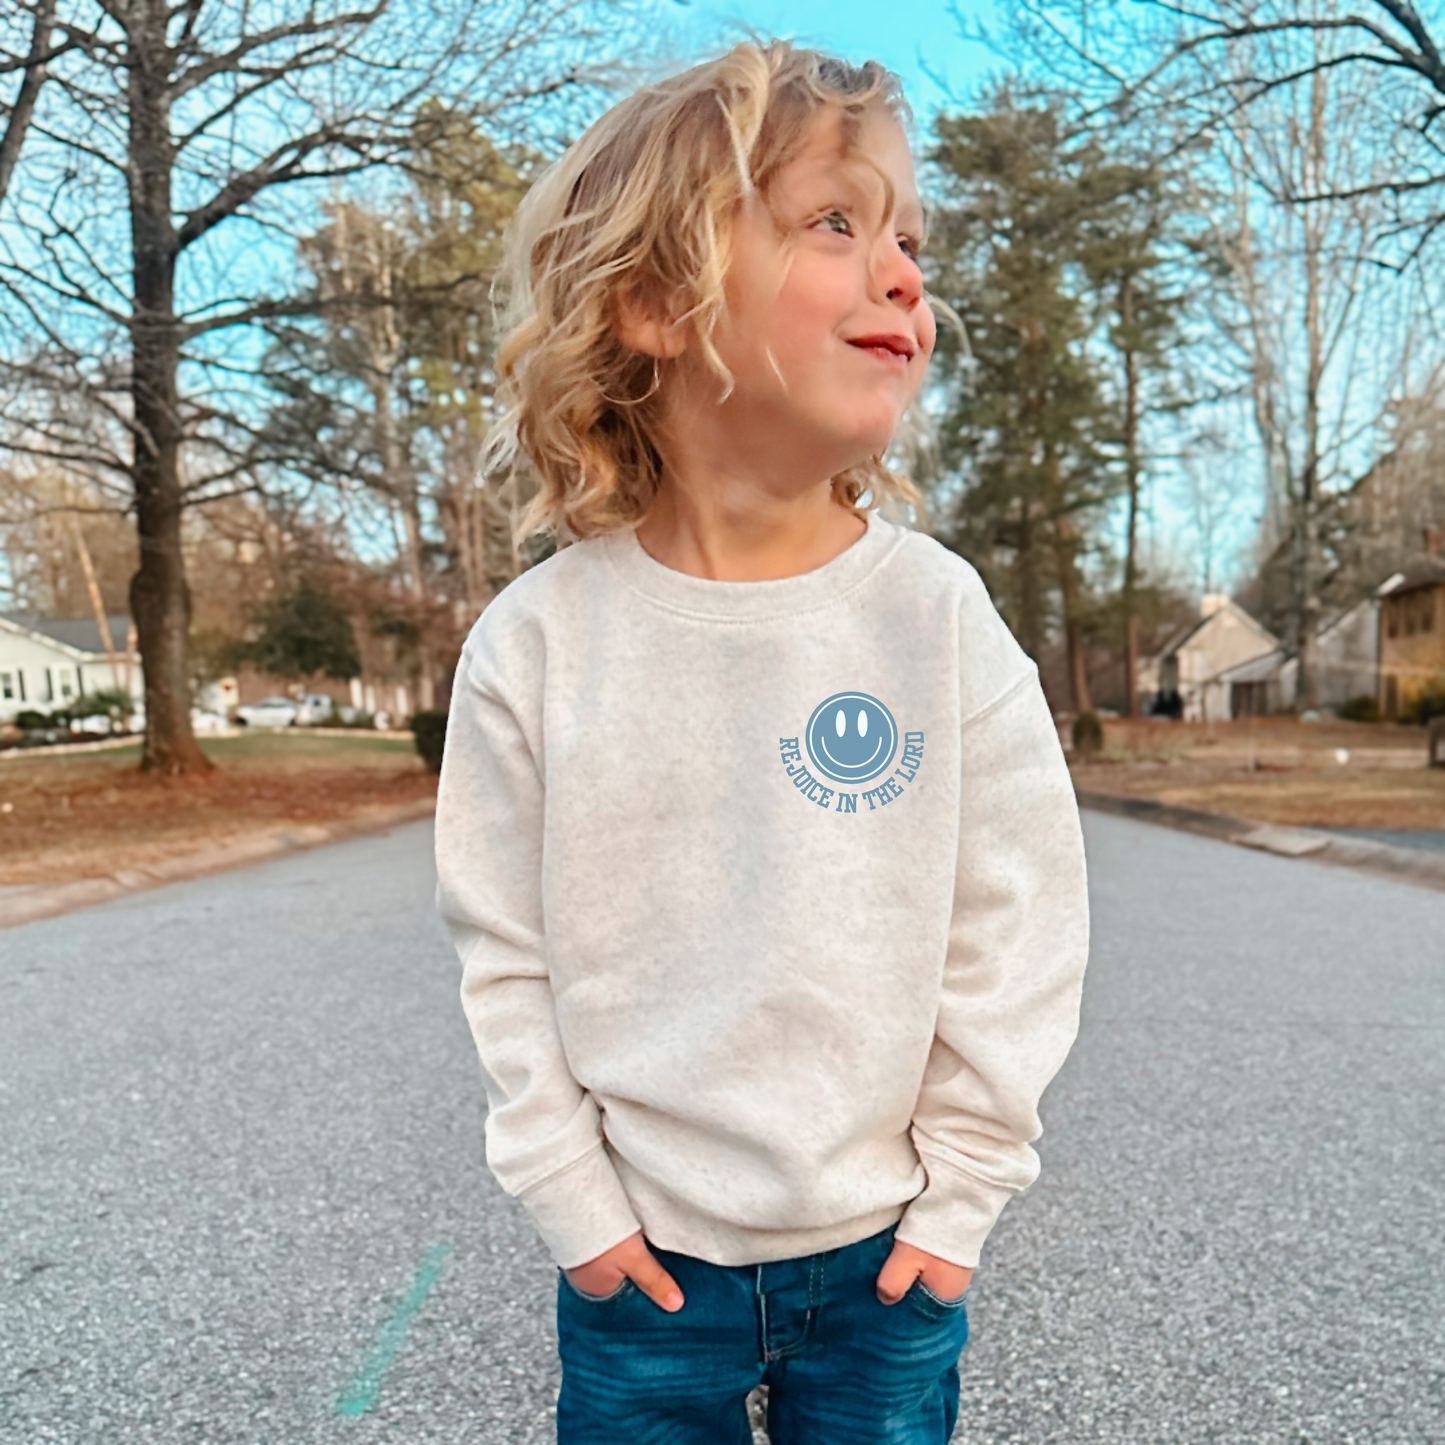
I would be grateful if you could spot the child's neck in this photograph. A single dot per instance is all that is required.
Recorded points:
(705, 534)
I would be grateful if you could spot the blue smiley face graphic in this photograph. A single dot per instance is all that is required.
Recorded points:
(851, 737)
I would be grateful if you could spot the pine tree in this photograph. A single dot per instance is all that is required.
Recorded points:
(1023, 438)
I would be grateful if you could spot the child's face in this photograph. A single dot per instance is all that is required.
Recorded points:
(844, 315)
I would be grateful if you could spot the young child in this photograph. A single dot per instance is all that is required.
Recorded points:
(754, 835)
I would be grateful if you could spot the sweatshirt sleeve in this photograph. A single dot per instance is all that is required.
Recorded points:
(1013, 974)
(544, 1140)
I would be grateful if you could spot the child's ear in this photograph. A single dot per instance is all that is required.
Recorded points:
(644, 324)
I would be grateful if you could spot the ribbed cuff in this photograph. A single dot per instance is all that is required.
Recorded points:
(581, 1211)
(953, 1215)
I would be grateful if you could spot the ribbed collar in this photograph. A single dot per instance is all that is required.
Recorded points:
(773, 597)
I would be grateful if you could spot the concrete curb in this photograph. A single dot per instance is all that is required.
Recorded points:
(1404, 865)
(25, 904)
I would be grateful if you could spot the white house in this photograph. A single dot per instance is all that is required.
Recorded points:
(1347, 655)
(1264, 684)
(46, 662)
(1202, 663)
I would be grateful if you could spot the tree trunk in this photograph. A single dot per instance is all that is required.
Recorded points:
(1302, 551)
(1066, 550)
(1131, 473)
(1026, 572)
(159, 597)
(97, 608)
(400, 481)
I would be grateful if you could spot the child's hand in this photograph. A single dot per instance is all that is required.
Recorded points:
(637, 1262)
(946, 1280)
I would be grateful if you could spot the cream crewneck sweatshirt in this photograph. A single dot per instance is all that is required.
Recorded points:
(769, 898)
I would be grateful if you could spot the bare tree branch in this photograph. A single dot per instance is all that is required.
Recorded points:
(41, 54)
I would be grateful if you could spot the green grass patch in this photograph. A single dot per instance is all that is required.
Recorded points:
(294, 743)
(261, 746)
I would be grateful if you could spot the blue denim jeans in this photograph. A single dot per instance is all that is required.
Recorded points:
(842, 1368)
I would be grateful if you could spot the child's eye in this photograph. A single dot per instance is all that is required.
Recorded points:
(846, 226)
(909, 247)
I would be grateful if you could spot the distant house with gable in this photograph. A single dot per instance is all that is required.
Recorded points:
(1224, 665)
(47, 662)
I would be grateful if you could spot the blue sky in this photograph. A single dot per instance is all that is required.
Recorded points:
(912, 37)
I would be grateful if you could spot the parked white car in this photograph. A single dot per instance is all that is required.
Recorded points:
(271, 712)
(203, 721)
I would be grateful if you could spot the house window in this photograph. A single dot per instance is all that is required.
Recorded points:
(67, 684)
(7, 686)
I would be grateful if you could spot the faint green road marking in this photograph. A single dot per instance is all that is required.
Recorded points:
(360, 1395)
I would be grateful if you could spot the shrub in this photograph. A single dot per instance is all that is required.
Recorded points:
(28, 720)
(1088, 734)
(110, 703)
(1428, 703)
(1363, 708)
(429, 727)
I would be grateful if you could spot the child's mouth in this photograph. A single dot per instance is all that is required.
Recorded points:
(894, 350)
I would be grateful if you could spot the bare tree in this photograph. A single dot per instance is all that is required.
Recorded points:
(1315, 132)
(1308, 312)
(30, 65)
(1205, 62)
(385, 398)
(172, 152)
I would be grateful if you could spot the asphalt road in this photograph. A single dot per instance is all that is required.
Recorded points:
(242, 1194)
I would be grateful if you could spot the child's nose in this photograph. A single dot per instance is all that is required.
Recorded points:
(902, 281)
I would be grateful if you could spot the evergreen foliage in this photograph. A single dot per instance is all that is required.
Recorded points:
(1051, 247)
(303, 632)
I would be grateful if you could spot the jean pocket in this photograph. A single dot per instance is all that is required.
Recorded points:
(934, 1306)
(597, 1299)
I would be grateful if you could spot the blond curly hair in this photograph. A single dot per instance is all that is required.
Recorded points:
(644, 201)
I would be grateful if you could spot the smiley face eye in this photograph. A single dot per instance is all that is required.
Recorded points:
(862, 723)
(841, 723)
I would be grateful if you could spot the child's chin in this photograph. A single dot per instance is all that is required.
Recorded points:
(870, 441)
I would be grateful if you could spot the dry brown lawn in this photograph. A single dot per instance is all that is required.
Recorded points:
(86, 815)
(1276, 770)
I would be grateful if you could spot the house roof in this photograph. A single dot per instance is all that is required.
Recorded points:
(1423, 572)
(1257, 669)
(1176, 643)
(1339, 619)
(75, 634)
